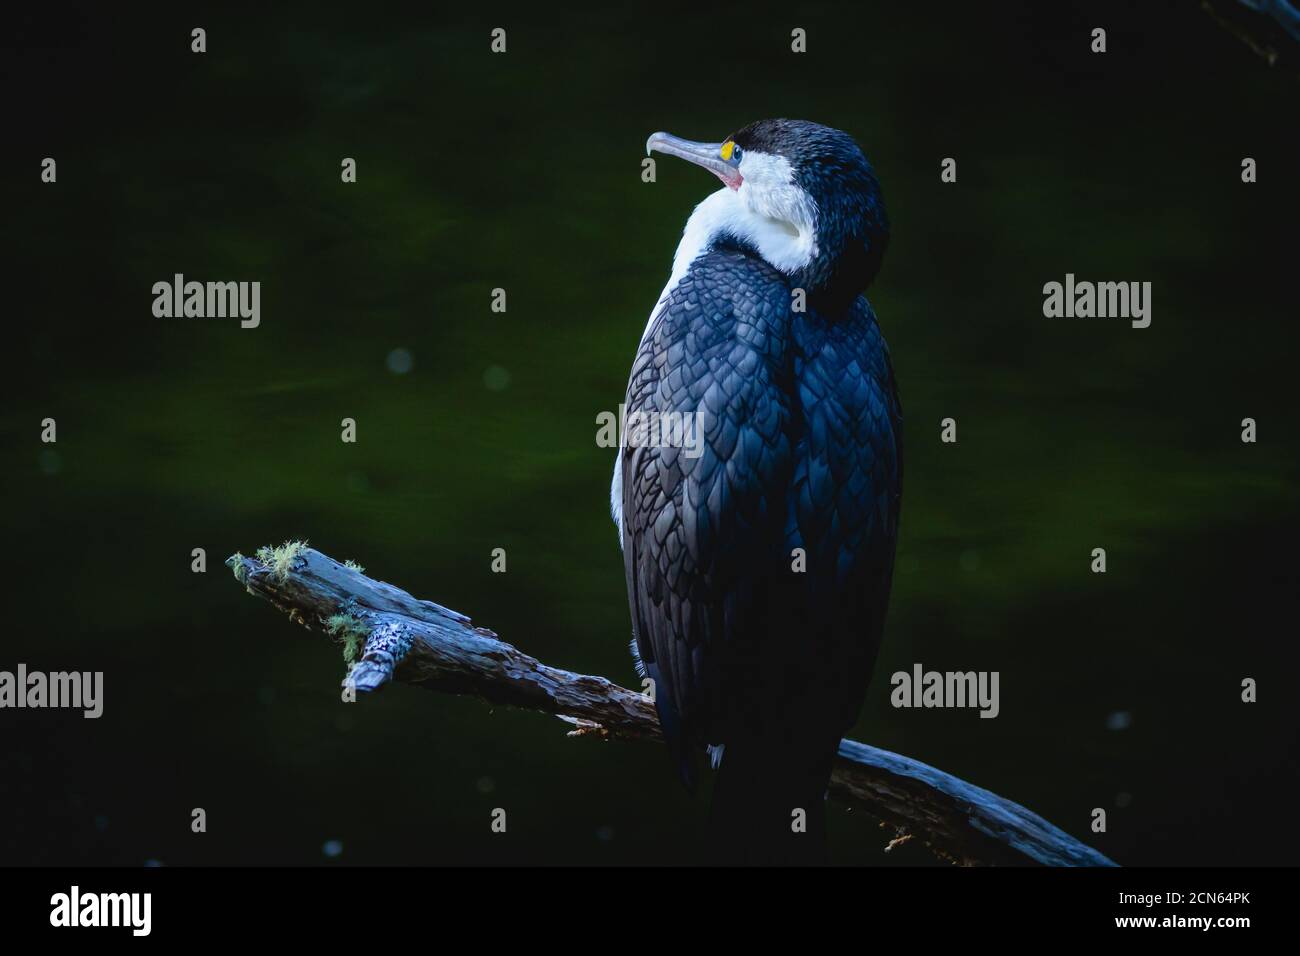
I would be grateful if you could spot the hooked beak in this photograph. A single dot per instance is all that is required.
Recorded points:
(707, 155)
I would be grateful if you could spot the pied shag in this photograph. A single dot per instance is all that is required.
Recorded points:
(759, 567)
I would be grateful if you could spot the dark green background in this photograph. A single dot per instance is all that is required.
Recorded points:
(522, 171)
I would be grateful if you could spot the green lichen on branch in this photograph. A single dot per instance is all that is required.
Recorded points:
(280, 560)
(348, 626)
(236, 564)
(353, 566)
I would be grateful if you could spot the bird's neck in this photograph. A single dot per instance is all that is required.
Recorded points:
(725, 215)
(833, 276)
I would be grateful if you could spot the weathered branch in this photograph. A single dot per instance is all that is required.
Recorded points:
(419, 642)
(1271, 28)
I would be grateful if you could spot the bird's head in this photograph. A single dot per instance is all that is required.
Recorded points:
(802, 194)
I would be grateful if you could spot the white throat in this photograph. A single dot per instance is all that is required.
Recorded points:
(769, 211)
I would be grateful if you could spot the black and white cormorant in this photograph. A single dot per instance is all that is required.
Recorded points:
(759, 569)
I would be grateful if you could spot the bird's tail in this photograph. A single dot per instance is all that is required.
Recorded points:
(769, 804)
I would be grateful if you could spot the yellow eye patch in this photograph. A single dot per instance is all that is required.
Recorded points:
(727, 147)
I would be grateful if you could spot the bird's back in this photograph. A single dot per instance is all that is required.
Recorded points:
(758, 571)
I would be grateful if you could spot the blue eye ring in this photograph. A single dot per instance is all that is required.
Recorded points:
(736, 154)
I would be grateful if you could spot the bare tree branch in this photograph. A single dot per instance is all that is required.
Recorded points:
(418, 642)
(1271, 28)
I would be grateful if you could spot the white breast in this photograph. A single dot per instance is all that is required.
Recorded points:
(616, 496)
